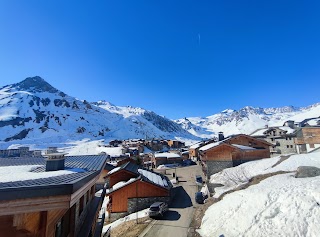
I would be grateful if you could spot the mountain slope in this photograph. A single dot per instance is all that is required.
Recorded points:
(246, 120)
(36, 111)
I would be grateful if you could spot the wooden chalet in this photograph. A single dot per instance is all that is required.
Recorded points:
(133, 188)
(307, 139)
(54, 199)
(232, 151)
(175, 144)
(166, 158)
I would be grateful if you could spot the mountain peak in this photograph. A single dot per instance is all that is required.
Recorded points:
(35, 84)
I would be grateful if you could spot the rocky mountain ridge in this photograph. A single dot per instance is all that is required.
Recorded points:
(36, 111)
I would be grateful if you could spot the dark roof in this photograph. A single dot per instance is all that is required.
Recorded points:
(90, 167)
(88, 163)
(145, 179)
(130, 167)
(109, 167)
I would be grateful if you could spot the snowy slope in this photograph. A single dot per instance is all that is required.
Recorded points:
(280, 205)
(36, 112)
(246, 120)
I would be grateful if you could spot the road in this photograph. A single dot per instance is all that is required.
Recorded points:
(175, 223)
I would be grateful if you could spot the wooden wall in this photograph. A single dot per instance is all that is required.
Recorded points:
(247, 141)
(308, 135)
(136, 189)
(52, 218)
(219, 153)
(102, 175)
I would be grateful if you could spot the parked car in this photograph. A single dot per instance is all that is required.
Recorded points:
(188, 162)
(158, 209)
(199, 179)
(200, 197)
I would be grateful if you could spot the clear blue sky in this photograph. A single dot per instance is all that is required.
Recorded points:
(177, 58)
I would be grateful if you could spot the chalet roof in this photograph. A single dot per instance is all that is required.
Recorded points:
(225, 142)
(262, 131)
(211, 145)
(196, 145)
(84, 168)
(147, 176)
(243, 147)
(167, 155)
(129, 166)
(109, 166)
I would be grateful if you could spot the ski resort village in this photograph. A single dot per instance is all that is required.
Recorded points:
(70, 167)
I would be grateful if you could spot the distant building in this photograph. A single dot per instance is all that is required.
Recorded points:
(232, 151)
(166, 158)
(281, 138)
(175, 144)
(20, 152)
(307, 139)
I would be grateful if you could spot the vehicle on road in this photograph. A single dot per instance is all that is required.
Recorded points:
(188, 163)
(199, 197)
(199, 180)
(157, 209)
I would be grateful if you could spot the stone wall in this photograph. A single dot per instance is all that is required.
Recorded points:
(115, 216)
(138, 204)
(216, 166)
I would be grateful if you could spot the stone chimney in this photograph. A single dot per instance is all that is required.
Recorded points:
(220, 136)
(54, 161)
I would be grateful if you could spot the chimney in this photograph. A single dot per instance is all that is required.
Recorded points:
(266, 126)
(220, 136)
(54, 161)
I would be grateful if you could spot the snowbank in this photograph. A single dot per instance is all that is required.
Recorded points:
(234, 177)
(281, 205)
(130, 217)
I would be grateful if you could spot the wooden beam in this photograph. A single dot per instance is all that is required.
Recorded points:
(34, 204)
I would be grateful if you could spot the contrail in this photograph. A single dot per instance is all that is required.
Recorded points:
(199, 38)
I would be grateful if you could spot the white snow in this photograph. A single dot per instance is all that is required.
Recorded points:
(24, 172)
(244, 147)
(154, 177)
(130, 217)
(281, 205)
(114, 170)
(209, 146)
(167, 154)
(121, 184)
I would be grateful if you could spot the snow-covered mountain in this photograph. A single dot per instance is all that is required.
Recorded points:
(246, 120)
(36, 111)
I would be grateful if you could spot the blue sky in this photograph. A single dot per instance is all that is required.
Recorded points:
(177, 58)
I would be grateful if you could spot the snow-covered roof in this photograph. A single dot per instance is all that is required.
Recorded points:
(209, 146)
(195, 146)
(114, 170)
(261, 132)
(24, 172)
(154, 177)
(167, 154)
(244, 147)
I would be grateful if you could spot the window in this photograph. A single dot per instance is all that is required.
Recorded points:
(58, 229)
(287, 146)
(311, 145)
(291, 146)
